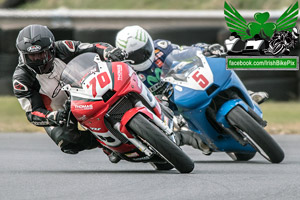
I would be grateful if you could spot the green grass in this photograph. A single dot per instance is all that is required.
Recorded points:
(13, 118)
(282, 117)
(161, 4)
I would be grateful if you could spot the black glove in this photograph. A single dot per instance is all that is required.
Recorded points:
(57, 118)
(114, 54)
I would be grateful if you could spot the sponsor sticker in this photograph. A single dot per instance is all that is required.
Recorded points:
(84, 107)
(34, 48)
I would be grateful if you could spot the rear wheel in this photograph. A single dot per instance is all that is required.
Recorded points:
(158, 141)
(255, 135)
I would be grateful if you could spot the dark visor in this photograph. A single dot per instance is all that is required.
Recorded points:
(141, 55)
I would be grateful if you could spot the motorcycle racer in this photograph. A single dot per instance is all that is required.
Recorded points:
(36, 83)
(149, 56)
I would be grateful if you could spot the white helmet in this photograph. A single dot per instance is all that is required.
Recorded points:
(137, 42)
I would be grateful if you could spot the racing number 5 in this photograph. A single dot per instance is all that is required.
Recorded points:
(103, 80)
(200, 79)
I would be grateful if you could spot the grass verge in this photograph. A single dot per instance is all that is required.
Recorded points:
(13, 118)
(282, 117)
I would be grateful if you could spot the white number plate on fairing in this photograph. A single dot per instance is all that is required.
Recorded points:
(200, 79)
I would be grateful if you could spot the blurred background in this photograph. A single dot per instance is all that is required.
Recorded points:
(181, 22)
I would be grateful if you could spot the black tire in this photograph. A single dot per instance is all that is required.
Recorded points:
(161, 143)
(257, 136)
(162, 166)
(241, 156)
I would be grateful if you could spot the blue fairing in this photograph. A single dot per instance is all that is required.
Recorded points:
(190, 98)
(192, 104)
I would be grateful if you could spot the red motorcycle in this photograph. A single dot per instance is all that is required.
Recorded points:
(110, 100)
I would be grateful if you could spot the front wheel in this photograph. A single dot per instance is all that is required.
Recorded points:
(158, 141)
(255, 134)
(241, 156)
(162, 166)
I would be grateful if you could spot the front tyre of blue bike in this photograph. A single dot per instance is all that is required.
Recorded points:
(255, 134)
(241, 156)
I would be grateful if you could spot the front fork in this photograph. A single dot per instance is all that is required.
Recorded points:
(227, 107)
(165, 128)
(139, 107)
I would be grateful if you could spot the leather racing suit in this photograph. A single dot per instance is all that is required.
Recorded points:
(39, 94)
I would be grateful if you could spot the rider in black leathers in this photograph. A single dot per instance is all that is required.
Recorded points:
(37, 88)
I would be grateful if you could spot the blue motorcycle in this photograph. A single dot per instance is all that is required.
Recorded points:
(216, 105)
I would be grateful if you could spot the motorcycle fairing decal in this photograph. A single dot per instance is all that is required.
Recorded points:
(95, 85)
(107, 138)
(200, 79)
(121, 75)
(83, 110)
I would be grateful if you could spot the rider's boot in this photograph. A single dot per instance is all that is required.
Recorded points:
(185, 136)
(258, 97)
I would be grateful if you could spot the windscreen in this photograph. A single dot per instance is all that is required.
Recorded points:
(180, 63)
(78, 69)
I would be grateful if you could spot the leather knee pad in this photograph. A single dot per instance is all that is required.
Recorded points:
(72, 140)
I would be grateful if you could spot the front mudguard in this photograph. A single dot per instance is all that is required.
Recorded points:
(129, 115)
(226, 108)
(144, 111)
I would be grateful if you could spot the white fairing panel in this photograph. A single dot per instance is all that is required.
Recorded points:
(108, 138)
(199, 79)
(95, 85)
(148, 96)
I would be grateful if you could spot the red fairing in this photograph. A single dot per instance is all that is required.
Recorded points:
(129, 115)
(91, 112)
(120, 75)
(125, 79)
(83, 109)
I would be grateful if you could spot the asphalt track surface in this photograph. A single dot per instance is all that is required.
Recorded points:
(33, 168)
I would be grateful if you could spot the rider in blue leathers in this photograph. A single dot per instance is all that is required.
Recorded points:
(149, 57)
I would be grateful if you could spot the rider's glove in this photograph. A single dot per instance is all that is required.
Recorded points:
(57, 118)
(114, 54)
(214, 50)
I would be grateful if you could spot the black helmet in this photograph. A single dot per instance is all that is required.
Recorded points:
(35, 44)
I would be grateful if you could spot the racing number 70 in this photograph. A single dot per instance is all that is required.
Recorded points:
(103, 80)
(200, 79)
